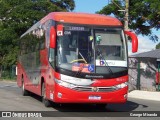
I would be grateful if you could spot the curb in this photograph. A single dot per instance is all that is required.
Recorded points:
(146, 95)
(8, 81)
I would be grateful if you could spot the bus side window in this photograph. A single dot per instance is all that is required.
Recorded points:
(42, 44)
(42, 38)
(52, 57)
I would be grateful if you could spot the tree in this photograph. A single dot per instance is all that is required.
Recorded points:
(158, 46)
(144, 15)
(16, 16)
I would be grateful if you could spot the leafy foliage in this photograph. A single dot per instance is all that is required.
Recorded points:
(144, 15)
(16, 16)
(158, 46)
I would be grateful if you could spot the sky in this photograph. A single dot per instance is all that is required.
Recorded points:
(91, 6)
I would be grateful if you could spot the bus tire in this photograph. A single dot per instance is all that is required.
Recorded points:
(46, 102)
(24, 91)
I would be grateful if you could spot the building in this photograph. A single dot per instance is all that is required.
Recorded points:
(144, 71)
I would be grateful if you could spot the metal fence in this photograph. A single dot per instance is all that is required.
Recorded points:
(8, 72)
(142, 74)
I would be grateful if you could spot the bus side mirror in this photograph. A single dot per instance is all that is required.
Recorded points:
(52, 37)
(134, 40)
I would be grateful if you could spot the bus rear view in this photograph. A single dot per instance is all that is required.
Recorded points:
(86, 59)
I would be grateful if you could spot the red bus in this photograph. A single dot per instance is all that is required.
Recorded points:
(75, 58)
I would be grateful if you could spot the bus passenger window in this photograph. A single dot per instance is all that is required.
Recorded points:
(51, 57)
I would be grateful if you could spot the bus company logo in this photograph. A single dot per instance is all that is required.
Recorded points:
(102, 62)
(59, 33)
(95, 89)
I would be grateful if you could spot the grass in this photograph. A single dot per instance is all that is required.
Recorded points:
(8, 79)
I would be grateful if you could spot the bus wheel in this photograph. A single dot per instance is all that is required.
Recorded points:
(44, 100)
(24, 91)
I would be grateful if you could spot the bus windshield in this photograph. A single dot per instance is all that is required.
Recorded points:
(99, 50)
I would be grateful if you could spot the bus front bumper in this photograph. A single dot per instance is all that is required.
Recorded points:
(66, 95)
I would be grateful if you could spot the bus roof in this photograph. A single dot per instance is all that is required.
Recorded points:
(78, 18)
(82, 18)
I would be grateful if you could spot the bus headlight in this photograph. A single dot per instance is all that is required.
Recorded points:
(65, 84)
(122, 85)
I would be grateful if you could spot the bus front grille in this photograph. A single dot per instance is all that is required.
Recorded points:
(95, 89)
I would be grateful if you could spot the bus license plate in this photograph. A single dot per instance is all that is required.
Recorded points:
(94, 98)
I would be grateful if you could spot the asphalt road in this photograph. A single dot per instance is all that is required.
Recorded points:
(12, 100)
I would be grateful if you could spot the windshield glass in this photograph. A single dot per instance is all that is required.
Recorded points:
(110, 44)
(91, 50)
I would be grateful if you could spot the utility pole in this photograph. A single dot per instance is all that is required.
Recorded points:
(126, 11)
(126, 19)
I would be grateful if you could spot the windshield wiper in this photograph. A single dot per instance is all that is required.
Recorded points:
(99, 53)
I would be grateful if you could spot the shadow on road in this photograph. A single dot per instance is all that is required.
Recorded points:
(127, 107)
